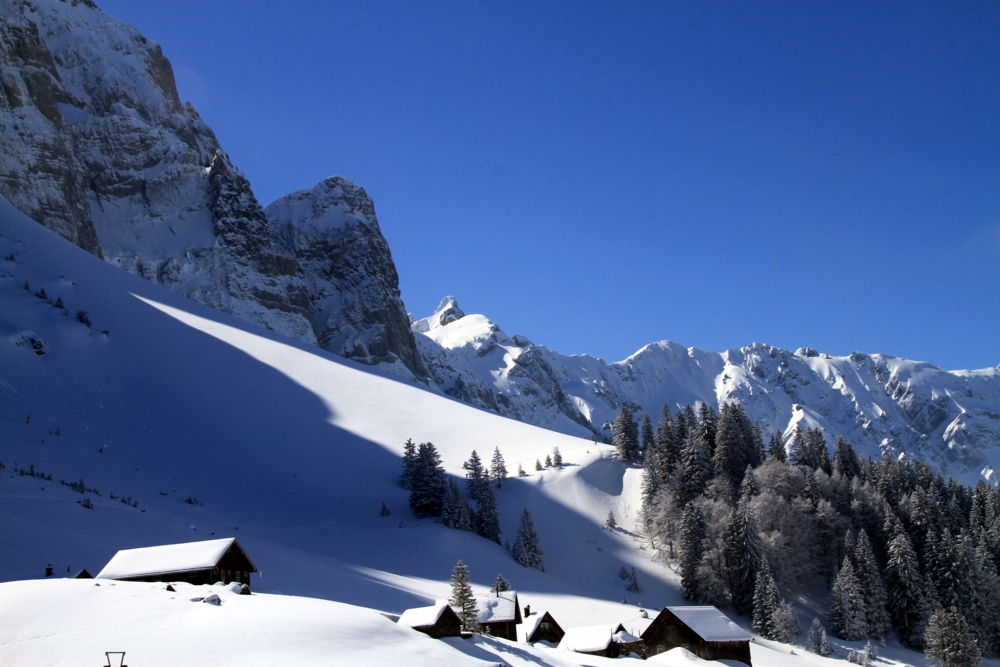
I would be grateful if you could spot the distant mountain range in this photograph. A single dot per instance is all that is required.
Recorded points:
(98, 147)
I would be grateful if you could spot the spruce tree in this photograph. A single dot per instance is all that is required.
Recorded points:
(650, 484)
(846, 613)
(905, 589)
(500, 585)
(409, 462)
(625, 436)
(777, 449)
(691, 548)
(520, 471)
(949, 640)
(845, 459)
(814, 638)
(610, 522)
(557, 459)
(538, 465)
(475, 476)
(667, 446)
(487, 521)
(450, 505)
(872, 588)
(765, 602)
(548, 461)
(730, 455)
(744, 555)
(462, 600)
(527, 551)
(498, 471)
(648, 439)
(695, 468)
(427, 483)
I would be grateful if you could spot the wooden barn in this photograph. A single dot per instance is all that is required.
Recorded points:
(705, 631)
(608, 641)
(207, 562)
(438, 620)
(499, 614)
(542, 627)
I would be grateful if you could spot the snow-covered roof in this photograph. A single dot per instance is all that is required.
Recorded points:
(422, 617)
(493, 608)
(589, 638)
(165, 558)
(531, 623)
(625, 637)
(710, 624)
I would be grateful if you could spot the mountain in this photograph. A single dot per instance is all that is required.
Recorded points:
(880, 403)
(97, 146)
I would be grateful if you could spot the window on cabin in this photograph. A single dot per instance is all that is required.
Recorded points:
(545, 625)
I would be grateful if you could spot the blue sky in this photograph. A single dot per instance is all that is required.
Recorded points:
(598, 176)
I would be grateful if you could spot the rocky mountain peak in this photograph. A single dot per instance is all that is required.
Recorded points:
(446, 313)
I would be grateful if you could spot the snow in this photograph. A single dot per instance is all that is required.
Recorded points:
(166, 558)
(420, 617)
(710, 623)
(588, 638)
(493, 608)
(681, 657)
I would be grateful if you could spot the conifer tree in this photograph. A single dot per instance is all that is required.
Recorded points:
(765, 602)
(520, 471)
(409, 462)
(487, 521)
(824, 644)
(648, 439)
(427, 483)
(625, 436)
(450, 505)
(475, 476)
(384, 511)
(845, 459)
(707, 424)
(538, 465)
(872, 588)
(814, 638)
(498, 471)
(548, 460)
(695, 468)
(650, 483)
(846, 613)
(610, 522)
(905, 588)
(777, 449)
(557, 459)
(500, 585)
(691, 548)
(527, 551)
(949, 640)
(667, 446)
(463, 601)
(744, 555)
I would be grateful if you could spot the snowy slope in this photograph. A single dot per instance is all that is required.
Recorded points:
(878, 402)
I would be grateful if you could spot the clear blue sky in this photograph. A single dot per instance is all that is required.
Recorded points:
(598, 176)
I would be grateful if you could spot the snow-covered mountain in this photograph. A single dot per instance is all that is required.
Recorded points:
(97, 146)
(878, 402)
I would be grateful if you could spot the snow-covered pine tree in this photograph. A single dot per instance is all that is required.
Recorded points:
(409, 461)
(548, 460)
(905, 589)
(813, 640)
(476, 478)
(695, 467)
(690, 549)
(777, 449)
(988, 590)
(527, 551)
(824, 644)
(500, 584)
(633, 582)
(872, 588)
(846, 613)
(498, 471)
(462, 599)
(610, 522)
(647, 438)
(450, 505)
(667, 445)
(465, 518)
(785, 622)
(557, 459)
(520, 471)
(744, 554)
(487, 521)
(845, 459)
(950, 641)
(765, 601)
(731, 445)
(427, 483)
(707, 425)
(625, 436)
(538, 465)
(650, 484)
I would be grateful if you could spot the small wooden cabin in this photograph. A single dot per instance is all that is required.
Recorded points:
(543, 627)
(705, 631)
(207, 562)
(499, 614)
(594, 640)
(438, 620)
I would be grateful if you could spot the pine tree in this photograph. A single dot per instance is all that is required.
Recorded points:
(905, 589)
(695, 468)
(846, 613)
(765, 602)
(385, 510)
(733, 445)
(625, 436)
(650, 484)
(777, 449)
(610, 522)
(667, 445)
(815, 636)
(520, 471)
(824, 644)
(950, 641)
(500, 585)
(409, 462)
(487, 521)
(872, 588)
(706, 426)
(744, 555)
(427, 483)
(475, 476)
(548, 461)
(538, 465)
(557, 459)
(498, 471)
(527, 551)
(648, 439)
(462, 599)
(691, 548)
(785, 622)
(633, 582)
(845, 459)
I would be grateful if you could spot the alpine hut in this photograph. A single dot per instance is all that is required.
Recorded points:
(438, 620)
(205, 562)
(705, 631)
(499, 614)
(608, 641)
(543, 627)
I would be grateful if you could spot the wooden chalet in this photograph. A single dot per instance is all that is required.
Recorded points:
(543, 627)
(705, 631)
(499, 614)
(608, 641)
(207, 562)
(438, 620)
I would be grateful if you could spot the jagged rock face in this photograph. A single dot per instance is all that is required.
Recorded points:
(878, 402)
(344, 261)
